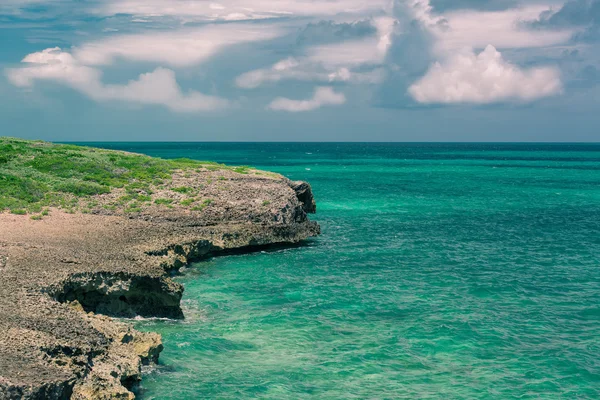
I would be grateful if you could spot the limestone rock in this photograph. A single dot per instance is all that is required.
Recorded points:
(59, 274)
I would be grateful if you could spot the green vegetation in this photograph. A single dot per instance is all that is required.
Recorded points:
(242, 169)
(202, 206)
(35, 175)
(133, 208)
(183, 189)
(187, 202)
(163, 201)
(144, 198)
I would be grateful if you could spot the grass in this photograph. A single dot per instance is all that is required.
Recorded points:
(187, 202)
(35, 175)
(183, 189)
(163, 201)
(203, 205)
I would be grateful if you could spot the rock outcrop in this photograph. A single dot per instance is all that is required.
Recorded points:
(62, 276)
(305, 195)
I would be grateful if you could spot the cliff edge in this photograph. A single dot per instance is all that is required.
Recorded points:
(69, 261)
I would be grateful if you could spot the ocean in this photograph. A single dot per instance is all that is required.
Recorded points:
(456, 271)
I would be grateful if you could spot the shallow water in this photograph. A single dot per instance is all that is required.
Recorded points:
(463, 271)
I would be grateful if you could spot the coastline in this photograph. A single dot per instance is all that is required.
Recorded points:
(62, 275)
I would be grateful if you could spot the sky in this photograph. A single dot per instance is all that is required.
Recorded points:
(300, 70)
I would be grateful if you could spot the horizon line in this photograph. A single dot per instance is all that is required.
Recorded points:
(311, 142)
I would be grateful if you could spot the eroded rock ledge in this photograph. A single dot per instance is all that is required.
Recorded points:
(61, 277)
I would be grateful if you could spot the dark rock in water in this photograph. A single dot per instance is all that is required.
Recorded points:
(58, 275)
(305, 195)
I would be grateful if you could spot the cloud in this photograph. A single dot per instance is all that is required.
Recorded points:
(53, 64)
(574, 13)
(472, 28)
(484, 78)
(304, 70)
(437, 61)
(241, 9)
(352, 53)
(323, 96)
(154, 88)
(501, 29)
(408, 59)
(356, 42)
(422, 11)
(331, 32)
(160, 88)
(182, 48)
(353, 61)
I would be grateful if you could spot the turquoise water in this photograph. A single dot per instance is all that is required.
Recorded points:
(456, 271)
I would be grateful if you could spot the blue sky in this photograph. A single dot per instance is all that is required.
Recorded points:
(300, 70)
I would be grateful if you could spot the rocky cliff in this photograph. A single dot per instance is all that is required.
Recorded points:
(60, 277)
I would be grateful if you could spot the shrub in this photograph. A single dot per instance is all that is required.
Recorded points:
(82, 188)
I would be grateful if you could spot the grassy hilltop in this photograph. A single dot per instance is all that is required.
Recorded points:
(36, 175)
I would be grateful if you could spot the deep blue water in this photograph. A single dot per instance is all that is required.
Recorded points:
(444, 270)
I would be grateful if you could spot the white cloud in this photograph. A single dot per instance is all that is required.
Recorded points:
(484, 78)
(178, 49)
(304, 70)
(462, 76)
(351, 53)
(53, 64)
(502, 29)
(160, 88)
(332, 62)
(353, 58)
(357, 52)
(470, 28)
(154, 88)
(241, 9)
(323, 96)
(422, 11)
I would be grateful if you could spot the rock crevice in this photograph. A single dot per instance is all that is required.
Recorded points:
(122, 295)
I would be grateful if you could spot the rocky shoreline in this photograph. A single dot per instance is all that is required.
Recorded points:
(62, 277)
